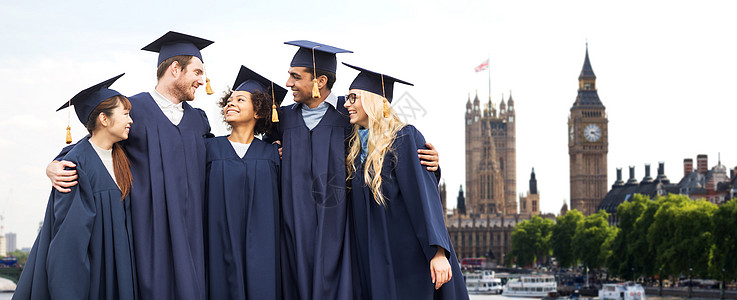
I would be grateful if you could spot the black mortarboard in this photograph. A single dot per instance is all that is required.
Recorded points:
(376, 83)
(174, 43)
(85, 101)
(250, 81)
(324, 55)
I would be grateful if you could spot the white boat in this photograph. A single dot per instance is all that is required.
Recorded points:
(622, 291)
(531, 286)
(482, 282)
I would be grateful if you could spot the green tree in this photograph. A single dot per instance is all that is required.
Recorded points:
(531, 240)
(639, 249)
(681, 235)
(561, 240)
(724, 236)
(619, 260)
(590, 237)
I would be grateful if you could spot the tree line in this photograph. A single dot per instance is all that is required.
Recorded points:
(668, 236)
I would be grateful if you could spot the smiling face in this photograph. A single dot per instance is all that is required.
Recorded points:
(300, 82)
(119, 123)
(239, 109)
(188, 80)
(355, 108)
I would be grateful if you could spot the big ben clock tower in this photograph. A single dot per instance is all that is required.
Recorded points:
(588, 144)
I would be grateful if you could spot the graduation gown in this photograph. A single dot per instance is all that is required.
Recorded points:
(84, 249)
(167, 200)
(393, 244)
(314, 235)
(242, 196)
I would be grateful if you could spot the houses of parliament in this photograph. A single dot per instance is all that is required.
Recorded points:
(485, 214)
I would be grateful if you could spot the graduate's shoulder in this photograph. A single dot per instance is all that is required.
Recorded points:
(215, 141)
(266, 150)
(217, 148)
(409, 135)
(289, 108)
(79, 153)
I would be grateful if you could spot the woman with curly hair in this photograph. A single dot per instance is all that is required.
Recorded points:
(242, 195)
(401, 247)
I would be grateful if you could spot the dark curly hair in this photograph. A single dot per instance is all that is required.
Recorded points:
(261, 107)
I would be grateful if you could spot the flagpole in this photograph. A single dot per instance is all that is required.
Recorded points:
(488, 68)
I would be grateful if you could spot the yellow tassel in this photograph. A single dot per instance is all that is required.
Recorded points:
(69, 135)
(208, 88)
(386, 108)
(315, 89)
(274, 114)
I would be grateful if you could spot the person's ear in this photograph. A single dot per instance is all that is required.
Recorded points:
(322, 81)
(174, 69)
(103, 119)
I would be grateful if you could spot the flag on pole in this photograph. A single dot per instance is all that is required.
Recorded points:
(483, 66)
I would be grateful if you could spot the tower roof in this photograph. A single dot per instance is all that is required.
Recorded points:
(587, 94)
(587, 71)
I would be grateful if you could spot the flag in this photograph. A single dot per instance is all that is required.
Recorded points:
(483, 66)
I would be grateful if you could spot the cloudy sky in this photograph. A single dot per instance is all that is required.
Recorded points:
(665, 72)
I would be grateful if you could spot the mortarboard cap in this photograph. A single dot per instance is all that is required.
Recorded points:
(324, 55)
(250, 81)
(174, 43)
(87, 100)
(372, 82)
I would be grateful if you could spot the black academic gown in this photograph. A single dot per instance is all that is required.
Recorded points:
(314, 236)
(84, 249)
(393, 245)
(167, 200)
(242, 196)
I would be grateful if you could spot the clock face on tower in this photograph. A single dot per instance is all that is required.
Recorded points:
(592, 132)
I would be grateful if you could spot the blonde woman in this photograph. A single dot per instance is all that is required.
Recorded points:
(400, 247)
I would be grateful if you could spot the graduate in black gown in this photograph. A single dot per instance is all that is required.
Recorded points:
(314, 133)
(315, 250)
(400, 245)
(84, 249)
(167, 154)
(242, 195)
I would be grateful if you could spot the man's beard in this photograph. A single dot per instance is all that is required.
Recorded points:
(180, 91)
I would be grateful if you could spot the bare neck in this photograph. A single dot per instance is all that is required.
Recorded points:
(314, 102)
(242, 133)
(103, 140)
(166, 90)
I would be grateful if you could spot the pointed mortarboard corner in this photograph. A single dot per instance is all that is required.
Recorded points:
(85, 101)
(174, 43)
(250, 81)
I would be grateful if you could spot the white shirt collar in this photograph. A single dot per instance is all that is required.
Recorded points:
(332, 99)
(163, 102)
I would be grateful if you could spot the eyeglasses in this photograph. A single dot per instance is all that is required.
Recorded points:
(351, 98)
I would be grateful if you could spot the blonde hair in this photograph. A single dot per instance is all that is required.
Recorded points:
(382, 132)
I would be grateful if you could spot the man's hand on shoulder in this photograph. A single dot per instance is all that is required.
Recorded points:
(429, 157)
(61, 178)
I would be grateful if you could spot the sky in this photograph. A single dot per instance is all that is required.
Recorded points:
(665, 72)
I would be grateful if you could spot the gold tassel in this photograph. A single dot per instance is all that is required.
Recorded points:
(386, 108)
(274, 114)
(208, 88)
(69, 135)
(315, 89)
